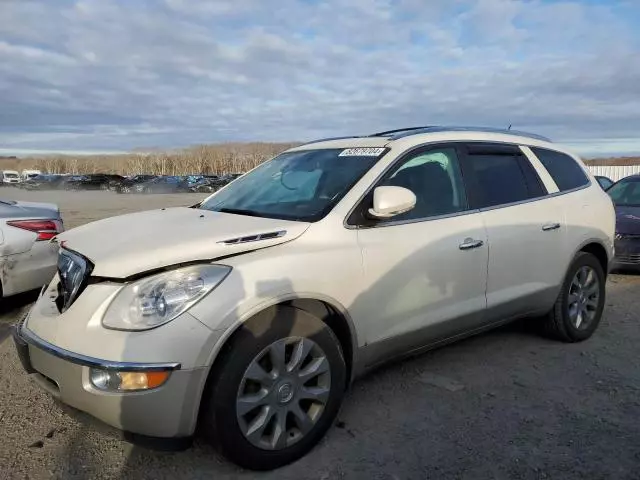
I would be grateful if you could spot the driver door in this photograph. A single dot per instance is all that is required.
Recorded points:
(425, 270)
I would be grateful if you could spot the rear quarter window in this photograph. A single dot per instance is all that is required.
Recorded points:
(564, 170)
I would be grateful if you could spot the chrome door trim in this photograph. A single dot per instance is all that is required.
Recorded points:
(470, 243)
(550, 226)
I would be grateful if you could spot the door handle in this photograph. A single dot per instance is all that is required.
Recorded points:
(550, 226)
(470, 243)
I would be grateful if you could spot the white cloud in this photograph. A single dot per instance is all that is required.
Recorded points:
(96, 74)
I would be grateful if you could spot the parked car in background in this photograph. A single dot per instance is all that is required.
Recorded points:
(28, 174)
(626, 196)
(27, 257)
(69, 182)
(116, 181)
(604, 182)
(162, 184)
(229, 177)
(250, 314)
(212, 183)
(207, 184)
(10, 177)
(127, 184)
(93, 181)
(43, 182)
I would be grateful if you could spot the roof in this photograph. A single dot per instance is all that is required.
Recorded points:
(416, 135)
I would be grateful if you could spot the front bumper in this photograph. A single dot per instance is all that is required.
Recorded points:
(168, 412)
(627, 251)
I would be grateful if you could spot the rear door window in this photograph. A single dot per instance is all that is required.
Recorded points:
(564, 170)
(500, 175)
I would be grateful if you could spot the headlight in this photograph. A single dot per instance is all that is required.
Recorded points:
(619, 236)
(158, 299)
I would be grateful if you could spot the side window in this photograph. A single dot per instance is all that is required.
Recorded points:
(502, 177)
(434, 177)
(563, 169)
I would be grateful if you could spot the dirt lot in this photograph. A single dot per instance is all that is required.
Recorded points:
(504, 405)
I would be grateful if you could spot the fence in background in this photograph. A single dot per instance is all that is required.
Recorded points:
(614, 172)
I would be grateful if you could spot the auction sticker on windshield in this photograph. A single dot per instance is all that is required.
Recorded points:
(362, 152)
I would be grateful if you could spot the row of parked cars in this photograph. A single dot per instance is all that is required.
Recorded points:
(131, 184)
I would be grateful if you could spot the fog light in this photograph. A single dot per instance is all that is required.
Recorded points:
(114, 381)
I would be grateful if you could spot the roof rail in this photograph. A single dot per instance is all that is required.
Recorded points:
(330, 138)
(398, 130)
(406, 132)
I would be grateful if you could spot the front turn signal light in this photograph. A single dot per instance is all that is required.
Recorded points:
(115, 381)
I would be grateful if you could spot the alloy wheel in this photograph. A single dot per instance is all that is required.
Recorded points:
(283, 393)
(584, 297)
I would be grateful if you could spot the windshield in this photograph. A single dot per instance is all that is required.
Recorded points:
(626, 193)
(300, 186)
(11, 175)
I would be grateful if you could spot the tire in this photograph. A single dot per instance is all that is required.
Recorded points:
(221, 420)
(559, 323)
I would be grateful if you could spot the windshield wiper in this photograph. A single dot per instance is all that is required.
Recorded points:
(240, 211)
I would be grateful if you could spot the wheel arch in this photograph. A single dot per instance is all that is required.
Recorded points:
(331, 312)
(328, 310)
(598, 250)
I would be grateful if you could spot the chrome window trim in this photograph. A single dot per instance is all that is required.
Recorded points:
(84, 360)
(454, 214)
(536, 199)
(414, 220)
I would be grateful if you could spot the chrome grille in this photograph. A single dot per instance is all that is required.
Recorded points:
(74, 271)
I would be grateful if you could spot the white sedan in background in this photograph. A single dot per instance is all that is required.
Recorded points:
(28, 258)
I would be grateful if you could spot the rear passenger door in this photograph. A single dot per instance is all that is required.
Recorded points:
(525, 229)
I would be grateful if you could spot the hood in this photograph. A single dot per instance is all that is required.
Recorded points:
(628, 220)
(139, 242)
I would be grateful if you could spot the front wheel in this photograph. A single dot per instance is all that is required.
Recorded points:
(578, 309)
(276, 390)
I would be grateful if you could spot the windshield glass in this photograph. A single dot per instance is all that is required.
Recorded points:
(626, 193)
(300, 186)
(11, 175)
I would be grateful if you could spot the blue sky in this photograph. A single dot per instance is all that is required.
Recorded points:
(117, 75)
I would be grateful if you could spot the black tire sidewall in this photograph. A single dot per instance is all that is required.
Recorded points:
(261, 331)
(583, 259)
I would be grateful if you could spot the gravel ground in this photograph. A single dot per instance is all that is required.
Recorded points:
(504, 405)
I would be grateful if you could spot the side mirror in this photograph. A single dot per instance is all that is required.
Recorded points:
(391, 201)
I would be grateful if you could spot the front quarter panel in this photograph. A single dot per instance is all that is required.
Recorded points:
(315, 266)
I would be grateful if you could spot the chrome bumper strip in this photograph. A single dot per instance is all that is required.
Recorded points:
(32, 339)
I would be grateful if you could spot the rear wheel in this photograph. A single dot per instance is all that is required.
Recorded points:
(578, 309)
(276, 390)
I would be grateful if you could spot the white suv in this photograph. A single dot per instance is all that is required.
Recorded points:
(250, 313)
